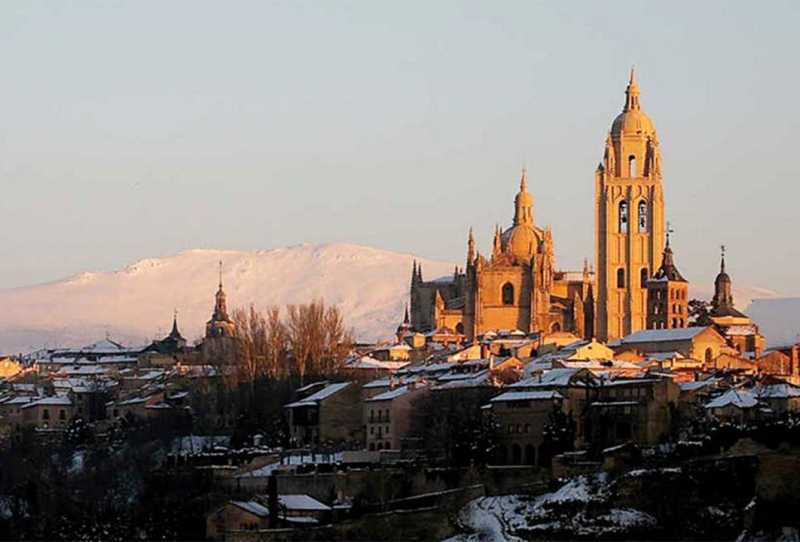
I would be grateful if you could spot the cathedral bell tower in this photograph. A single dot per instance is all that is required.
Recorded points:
(629, 220)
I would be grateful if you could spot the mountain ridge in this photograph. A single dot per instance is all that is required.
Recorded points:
(135, 303)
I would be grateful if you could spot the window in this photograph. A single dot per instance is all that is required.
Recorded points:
(62, 414)
(623, 216)
(45, 414)
(642, 216)
(643, 277)
(620, 278)
(508, 294)
(709, 355)
(631, 166)
(460, 328)
(674, 322)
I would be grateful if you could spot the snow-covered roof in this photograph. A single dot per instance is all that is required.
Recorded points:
(367, 362)
(663, 356)
(740, 330)
(54, 400)
(480, 379)
(302, 502)
(19, 400)
(321, 395)
(391, 394)
(734, 397)
(81, 370)
(662, 335)
(526, 396)
(782, 390)
(552, 378)
(257, 509)
(697, 384)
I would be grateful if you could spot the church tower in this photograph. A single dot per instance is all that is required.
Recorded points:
(667, 295)
(220, 324)
(629, 220)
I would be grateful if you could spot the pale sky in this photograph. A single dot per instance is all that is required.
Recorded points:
(142, 128)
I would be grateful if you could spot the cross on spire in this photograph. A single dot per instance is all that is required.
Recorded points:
(220, 274)
(669, 231)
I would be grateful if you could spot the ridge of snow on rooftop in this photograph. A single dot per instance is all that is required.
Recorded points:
(134, 305)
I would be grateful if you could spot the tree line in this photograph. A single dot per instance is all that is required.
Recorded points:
(305, 339)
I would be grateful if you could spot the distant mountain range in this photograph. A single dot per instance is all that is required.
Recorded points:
(135, 305)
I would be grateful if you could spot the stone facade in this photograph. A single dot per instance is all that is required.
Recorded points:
(517, 288)
(667, 295)
(629, 220)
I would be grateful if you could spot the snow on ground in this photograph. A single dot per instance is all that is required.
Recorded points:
(135, 304)
(509, 517)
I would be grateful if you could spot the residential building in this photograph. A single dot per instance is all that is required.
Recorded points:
(331, 414)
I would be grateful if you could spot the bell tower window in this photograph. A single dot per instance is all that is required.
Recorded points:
(620, 278)
(631, 166)
(643, 278)
(508, 294)
(642, 216)
(623, 216)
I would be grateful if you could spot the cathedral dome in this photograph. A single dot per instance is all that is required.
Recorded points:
(522, 241)
(632, 122)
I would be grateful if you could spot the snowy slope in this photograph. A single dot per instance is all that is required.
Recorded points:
(135, 304)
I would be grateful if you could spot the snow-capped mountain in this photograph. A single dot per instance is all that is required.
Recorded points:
(135, 304)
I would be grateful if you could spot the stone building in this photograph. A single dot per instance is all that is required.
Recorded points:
(219, 345)
(517, 288)
(388, 416)
(635, 409)
(629, 219)
(220, 324)
(737, 328)
(326, 413)
(667, 295)
(701, 343)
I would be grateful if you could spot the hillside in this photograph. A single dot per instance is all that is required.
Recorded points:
(135, 304)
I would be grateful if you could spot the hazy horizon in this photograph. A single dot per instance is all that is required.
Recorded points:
(144, 129)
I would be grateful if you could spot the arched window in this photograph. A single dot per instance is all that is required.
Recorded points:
(643, 277)
(631, 166)
(620, 277)
(642, 216)
(460, 328)
(623, 216)
(508, 294)
(555, 328)
(709, 356)
(674, 322)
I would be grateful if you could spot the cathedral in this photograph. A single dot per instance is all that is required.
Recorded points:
(518, 286)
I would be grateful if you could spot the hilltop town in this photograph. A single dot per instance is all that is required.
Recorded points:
(516, 399)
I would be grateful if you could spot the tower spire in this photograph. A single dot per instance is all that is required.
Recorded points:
(523, 202)
(470, 247)
(632, 94)
(722, 259)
